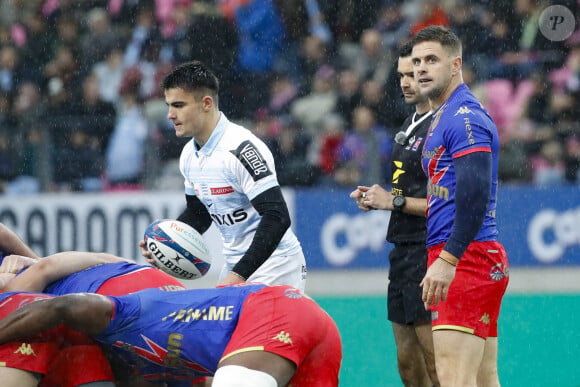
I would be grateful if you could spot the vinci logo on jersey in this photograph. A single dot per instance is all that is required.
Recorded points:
(252, 160)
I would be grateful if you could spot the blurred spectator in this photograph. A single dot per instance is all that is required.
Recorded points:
(364, 152)
(572, 159)
(369, 59)
(56, 10)
(290, 150)
(151, 70)
(177, 47)
(125, 152)
(324, 148)
(109, 74)
(167, 14)
(317, 24)
(314, 54)
(373, 96)
(310, 110)
(294, 17)
(124, 12)
(431, 13)
(145, 34)
(347, 19)
(97, 115)
(538, 108)
(10, 69)
(39, 45)
(266, 126)
(349, 93)
(6, 35)
(566, 79)
(8, 161)
(214, 40)
(6, 117)
(548, 166)
(514, 165)
(9, 165)
(58, 112)
(474, 35)
(262, 38)
(15, 176)
(282, 93)
(64, 66)
(100, 38)
(67, 33)
(37, 152)
(393, 25)
(79, 164)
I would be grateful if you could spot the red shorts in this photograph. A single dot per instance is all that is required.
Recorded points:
(78, 364)
(68, 367)
(475, 294)
(28, 355)
(282, 320)
(84, 363)
(38, 353)
(33, 353)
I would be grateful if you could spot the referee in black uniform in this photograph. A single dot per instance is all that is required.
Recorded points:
(407, 231)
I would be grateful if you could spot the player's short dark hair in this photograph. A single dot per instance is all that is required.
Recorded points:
(442, 35)
(193, 77)
(405, 49)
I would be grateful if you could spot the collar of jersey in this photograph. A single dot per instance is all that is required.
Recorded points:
(216, 135)
(458, 94)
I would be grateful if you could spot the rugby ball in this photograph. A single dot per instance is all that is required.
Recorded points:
(178, 249)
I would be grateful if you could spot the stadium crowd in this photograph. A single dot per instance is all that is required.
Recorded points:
(81, 108)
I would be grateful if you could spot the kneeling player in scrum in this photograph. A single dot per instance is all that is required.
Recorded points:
(178, 337)
(78, 359)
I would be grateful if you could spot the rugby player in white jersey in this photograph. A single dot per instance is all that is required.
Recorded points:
(230, 179)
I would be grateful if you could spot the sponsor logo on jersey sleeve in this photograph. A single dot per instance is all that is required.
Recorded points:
(252, 160)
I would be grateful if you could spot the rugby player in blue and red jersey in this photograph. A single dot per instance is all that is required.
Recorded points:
(247, 335)
(467, 271)
(73, 359)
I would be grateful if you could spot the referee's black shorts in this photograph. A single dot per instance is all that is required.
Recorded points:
(408, 264)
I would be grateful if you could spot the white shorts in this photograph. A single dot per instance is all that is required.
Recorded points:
(277, 270)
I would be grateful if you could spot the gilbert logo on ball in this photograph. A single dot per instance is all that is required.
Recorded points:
(178, 249)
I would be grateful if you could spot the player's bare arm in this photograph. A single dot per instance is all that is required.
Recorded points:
(11, 243)
(55, 267)
(86, 313)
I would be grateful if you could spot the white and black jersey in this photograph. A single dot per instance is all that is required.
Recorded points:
(230, 170)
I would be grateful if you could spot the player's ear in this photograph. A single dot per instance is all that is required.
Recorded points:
(456, 64)
(207, 103)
